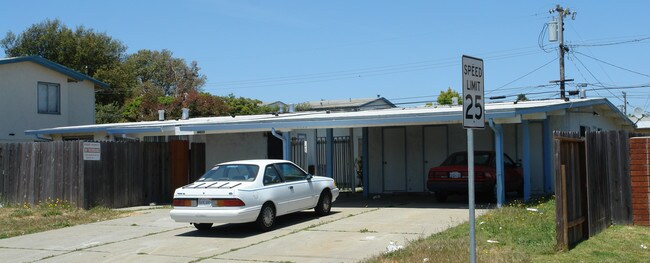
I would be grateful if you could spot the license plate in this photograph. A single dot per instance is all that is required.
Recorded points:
(203, 202)
(454, 175)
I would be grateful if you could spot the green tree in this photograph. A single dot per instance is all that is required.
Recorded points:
(159, 68)
(82, 49)
(245, 106)
(522, 97)
(303, 107)
(445, 97)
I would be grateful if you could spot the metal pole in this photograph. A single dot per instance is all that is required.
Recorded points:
(470, 185)
(560, 15)
(625, 103)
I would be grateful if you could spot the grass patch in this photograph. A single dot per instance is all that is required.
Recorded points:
(517, 234)
(16, 220)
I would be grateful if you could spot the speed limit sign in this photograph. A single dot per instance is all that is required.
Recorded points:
(473, 93)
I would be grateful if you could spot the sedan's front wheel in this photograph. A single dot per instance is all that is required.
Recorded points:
(324, 205)
(266, 218)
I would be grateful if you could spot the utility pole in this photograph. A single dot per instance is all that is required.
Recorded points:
(625, 103)
(561, 13)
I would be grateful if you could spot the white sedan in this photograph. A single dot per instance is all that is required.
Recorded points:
(252, 191)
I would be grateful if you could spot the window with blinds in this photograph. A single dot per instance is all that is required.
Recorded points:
(49, 98)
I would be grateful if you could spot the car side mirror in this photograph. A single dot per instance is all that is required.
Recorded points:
(309, 176)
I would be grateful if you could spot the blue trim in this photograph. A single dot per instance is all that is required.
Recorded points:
(498, 148)
(525, 131)
(134, 130)
(547, 141)
(286, 145)
(56, 67)
(365, 162)
(329, 153)
(66, 130)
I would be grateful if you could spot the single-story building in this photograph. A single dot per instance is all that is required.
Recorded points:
(393, 148)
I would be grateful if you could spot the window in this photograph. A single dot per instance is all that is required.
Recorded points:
(290, 172)
(271, 176)
(49, 98)
(231, 172)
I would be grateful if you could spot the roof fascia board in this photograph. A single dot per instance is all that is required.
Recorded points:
(67, 130)
(55, 67)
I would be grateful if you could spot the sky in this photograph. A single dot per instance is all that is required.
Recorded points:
(406, 51)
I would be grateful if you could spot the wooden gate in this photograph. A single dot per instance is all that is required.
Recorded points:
(570, 191)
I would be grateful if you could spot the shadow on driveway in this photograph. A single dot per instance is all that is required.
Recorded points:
(248, 229)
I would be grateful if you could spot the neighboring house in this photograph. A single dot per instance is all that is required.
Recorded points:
(282, 107)
(350, 104)
(36, 93)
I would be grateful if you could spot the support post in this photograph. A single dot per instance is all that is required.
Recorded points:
(525, 131)
(498, 141)
(286, 145)
(547, 141)
(365, 162)
(329, 153)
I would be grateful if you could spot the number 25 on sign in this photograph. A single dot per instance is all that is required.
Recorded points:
(473, 93)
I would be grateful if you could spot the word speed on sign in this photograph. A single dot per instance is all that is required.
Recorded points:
(473, 93)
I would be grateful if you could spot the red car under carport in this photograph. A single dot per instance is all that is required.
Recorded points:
(451, 176)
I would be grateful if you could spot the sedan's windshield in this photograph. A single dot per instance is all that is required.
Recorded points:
(231, 172)
(460, 158)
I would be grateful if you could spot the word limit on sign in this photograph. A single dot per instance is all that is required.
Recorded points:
(473, 93)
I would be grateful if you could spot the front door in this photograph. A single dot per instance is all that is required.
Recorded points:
(394, 159)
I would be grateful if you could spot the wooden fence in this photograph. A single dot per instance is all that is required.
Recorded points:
(592, 184)
(127, 174)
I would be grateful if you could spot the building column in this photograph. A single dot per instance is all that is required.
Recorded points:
(286, 145)
(498, 147)
(525, 131)
(329, 153)
(547, 141)
(365, 162)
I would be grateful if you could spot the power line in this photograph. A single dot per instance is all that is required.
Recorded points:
(604, 62)
(592, 75)
(611, 43)
(525, 75)
(363, 72)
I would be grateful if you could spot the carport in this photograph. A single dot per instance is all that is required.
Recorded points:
(398, 145)
(401, 144)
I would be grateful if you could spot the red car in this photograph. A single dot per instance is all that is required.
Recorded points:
(451, 176)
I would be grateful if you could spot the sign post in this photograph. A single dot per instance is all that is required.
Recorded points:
(473, 118)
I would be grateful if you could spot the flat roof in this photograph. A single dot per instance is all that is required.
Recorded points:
(322, 119)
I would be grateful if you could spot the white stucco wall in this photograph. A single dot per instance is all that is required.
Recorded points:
(18, 101)
(81, 109)
(234, 146)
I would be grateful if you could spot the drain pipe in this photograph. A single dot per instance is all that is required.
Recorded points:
(285, 143)
(498, 141)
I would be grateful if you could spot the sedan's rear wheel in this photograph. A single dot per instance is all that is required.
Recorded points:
(202, 226)
(266, 218)
(324, 205)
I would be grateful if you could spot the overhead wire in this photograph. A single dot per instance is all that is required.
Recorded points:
(521, 77)
(610, 64)
(593, 76)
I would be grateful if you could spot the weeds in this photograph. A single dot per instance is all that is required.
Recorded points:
(21, 219)
(523, 232)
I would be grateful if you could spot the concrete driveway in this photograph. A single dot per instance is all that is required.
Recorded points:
(355, 230)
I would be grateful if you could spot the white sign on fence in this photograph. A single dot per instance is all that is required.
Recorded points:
(92, 151)
(473, 93)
